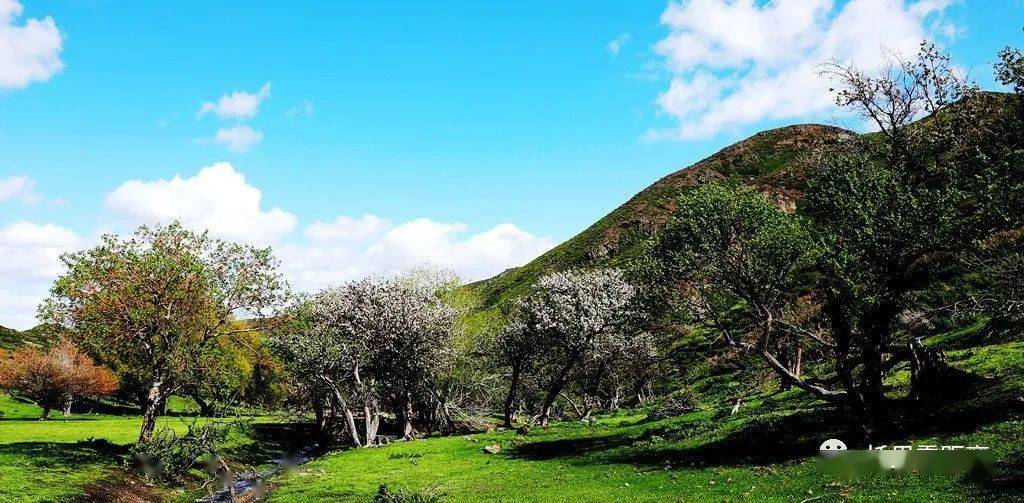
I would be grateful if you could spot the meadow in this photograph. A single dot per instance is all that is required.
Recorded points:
(766, 451)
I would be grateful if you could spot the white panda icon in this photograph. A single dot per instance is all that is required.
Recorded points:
(831, 447)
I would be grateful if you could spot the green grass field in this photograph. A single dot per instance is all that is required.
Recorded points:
(765, 452)
(56, 460)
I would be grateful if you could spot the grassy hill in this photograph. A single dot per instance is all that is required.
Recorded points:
(39, 336)
(773, 161)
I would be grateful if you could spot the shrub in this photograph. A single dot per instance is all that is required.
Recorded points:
(168, 456)
(677, 403)
(403, 496)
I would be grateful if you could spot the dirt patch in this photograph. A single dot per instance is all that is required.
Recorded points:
(121, 487)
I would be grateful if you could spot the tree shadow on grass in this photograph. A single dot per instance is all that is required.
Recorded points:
(57, 455)
(271, 441)
(758, 441)
(756, 438)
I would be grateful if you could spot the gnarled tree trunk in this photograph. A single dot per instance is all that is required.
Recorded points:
(152, 407)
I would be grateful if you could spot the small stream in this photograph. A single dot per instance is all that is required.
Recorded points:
(252, 480)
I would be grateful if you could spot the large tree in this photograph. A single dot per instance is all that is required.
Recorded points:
(149, 304)
(367, 345)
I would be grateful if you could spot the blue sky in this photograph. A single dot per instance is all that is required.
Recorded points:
(472, 130)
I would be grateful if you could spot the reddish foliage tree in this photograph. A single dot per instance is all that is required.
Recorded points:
(55, 378)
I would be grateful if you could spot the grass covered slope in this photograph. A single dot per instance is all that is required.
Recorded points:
(772, 161)
(765, 452)
(39, 336)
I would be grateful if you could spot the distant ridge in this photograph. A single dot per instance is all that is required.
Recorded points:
(38, 336)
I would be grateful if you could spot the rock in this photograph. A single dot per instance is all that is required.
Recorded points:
(492, 449)
(523, 430)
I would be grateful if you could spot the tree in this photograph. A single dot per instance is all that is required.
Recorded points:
(151, 303)
(368, 344)
(518, 348)
(55, 378)
(882, 217)
(738, 261)
(570, 313)
(1010, 69)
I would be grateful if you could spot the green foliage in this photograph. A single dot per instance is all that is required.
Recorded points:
(151, 304)
(170, 456)
(1010, 69)
(403, 496)
(40, 336)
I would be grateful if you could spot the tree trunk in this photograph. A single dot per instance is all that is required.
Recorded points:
(205, 408)
(407, 425)
(152, 407)
(556, 387)
(46, 413)
(320, 417)
(350, 419)
(350, 424)
(873, 343)
(371, 421)
(371, 414)
(510, 399)
(928, 371)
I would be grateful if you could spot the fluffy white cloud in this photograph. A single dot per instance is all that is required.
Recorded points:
(21, 188)
(217, 198)
(237, 105)
(616, 44)
(736, 62)
(29, 261)
(345, 228)
(306, 108)
(239, 138)
(370, 246)
(29, 52)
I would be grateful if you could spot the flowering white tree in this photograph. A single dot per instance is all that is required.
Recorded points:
(367, 344)
(570, 313)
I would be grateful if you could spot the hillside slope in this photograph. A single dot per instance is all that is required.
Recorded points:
(772, 161)
(39, 336)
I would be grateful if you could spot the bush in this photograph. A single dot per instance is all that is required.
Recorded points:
(674, 404)
(170, 457)
(403, 496)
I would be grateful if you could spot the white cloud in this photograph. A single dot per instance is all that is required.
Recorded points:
(357, 252)
(306, 108)
(29, 52)
(21, 188)
(616, 44)
(346, 228)
(217, 198)
(736, 62)
(237, 105)
(29, 261)
(239, 138)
